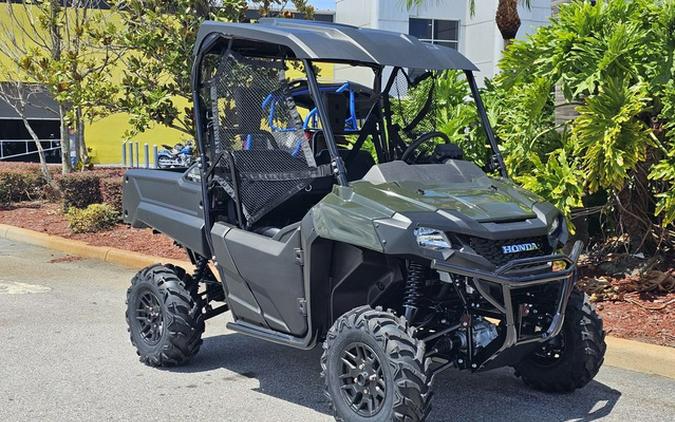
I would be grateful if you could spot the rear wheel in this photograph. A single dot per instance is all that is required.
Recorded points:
(374, 369)
(164, 315)
(164, 162)
(572, 358)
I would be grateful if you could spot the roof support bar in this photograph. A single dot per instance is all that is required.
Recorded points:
(200, 129)
(486, 123)
(338, 164)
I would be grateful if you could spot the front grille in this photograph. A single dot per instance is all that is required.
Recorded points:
(493, 252)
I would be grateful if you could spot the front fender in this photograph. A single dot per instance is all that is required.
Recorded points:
(347, 217)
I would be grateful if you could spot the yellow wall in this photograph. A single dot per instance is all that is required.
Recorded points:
(105, 136)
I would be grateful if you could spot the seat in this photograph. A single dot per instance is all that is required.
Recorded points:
(356, 169)
(449, 151)
(268, 231)
(277, 233)
(359, 166)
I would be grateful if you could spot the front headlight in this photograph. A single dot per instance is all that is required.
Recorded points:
(431, 238)
(554, 226)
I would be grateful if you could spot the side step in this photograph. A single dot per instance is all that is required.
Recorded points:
(211, 312)
(269, 335)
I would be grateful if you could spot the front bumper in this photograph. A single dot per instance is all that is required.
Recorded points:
(506, 281)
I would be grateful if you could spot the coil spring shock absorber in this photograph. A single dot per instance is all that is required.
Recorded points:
(200, 270)
(413, 289)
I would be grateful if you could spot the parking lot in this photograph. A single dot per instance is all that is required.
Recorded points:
(65, 355)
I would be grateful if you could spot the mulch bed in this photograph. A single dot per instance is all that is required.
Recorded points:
(629, 320)
(635, 295)
(47, 217)
(626, 313)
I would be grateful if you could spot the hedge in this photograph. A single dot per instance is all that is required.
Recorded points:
(111, 192)
(18, 186)
(5, 194)
(79, 190)
(25, 182)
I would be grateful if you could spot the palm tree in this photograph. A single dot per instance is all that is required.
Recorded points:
(506, 17)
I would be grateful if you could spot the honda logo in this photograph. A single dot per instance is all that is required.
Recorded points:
(523, 247)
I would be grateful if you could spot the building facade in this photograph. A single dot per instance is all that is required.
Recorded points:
(105, 136)
(16, 143)
(445, 22)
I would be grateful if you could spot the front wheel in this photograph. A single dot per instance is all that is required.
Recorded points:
(164, 315)
(374, 369)
(571, 359)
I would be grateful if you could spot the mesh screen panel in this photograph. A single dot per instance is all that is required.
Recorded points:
(409, 102)
(254, 119)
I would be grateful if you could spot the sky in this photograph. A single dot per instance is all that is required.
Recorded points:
(323, 4)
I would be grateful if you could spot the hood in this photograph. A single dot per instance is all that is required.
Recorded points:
(486, 200)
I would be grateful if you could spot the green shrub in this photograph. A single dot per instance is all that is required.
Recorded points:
(111, 192)
(18, 186)
(79, 190)
(4, 195)
(94, 218)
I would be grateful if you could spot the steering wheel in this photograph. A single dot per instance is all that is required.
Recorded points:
(419, 141)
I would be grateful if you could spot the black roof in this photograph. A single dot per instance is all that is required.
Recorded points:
(40, 106)
(338, 42)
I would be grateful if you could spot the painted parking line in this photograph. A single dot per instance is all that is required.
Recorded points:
(18, 288)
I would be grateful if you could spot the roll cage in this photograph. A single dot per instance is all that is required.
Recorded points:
(280, 41)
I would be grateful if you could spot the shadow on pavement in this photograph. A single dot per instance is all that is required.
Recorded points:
(293, 375)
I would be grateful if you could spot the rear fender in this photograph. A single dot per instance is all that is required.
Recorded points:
(167, 202)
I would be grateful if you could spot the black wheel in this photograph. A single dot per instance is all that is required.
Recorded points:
(374, 369)
(164, 162)
(164, 315)
(572, 358)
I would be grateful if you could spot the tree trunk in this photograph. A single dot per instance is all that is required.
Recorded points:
(507, 20)
(55, 36)
(83, 153)
(634, 203)
(77, 161)
(41, 152)
(76, 147)
(65, 142)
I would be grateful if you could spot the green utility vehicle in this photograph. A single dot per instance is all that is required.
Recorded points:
(334, 213)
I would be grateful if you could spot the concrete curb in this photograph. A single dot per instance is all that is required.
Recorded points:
(640, 357)
(621, 353)
(85, 250)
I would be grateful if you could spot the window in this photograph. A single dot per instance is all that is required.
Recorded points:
(435, 31)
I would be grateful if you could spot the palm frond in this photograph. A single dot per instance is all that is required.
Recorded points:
(610, 139)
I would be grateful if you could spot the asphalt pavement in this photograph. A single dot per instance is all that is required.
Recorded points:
(65, 355)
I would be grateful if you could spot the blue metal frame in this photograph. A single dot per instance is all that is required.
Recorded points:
(350, 124)
(311, 121)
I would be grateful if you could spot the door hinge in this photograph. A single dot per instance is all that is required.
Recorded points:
(302, 304)
(299, 256)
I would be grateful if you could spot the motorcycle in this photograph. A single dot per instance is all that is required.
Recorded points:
(180, 155)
